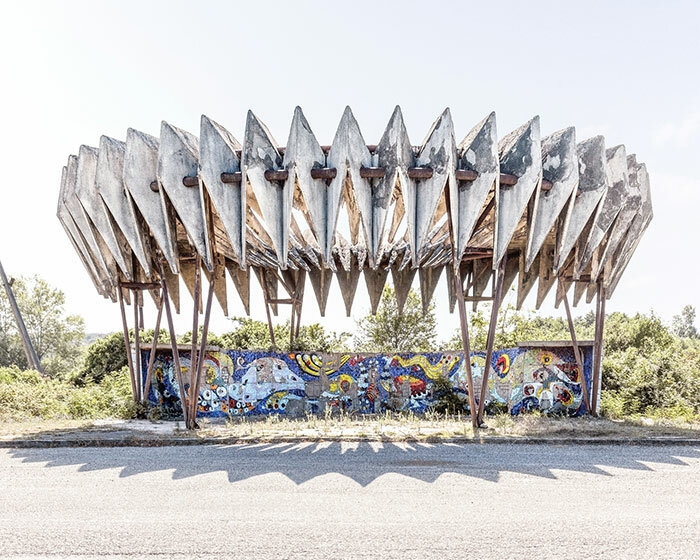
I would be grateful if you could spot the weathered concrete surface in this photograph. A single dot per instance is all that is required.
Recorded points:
(109, 181)
(140, 170)
(560, 167)
(377, 501)
(217, 155)
(178, 155)
(86, 191)
(609, 207)
(520, 154)
(477, 152)
(593, 185)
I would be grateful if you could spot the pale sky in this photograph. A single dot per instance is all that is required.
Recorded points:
(72, 71)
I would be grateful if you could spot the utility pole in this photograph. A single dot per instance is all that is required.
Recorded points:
(32, 358)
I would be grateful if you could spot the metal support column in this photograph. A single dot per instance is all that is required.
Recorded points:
(495, 307)
(466, 352)
(577, 355)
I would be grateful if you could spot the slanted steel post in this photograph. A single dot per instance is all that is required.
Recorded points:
(266, 297)
(137, 348)
(466, 352)
(127, 345)
(195, 332)
(29, 351)
(173, 344)
(197, 381)
(301, 302)
(577, 355)
(152, 357)
(495, 307)
(598, 347)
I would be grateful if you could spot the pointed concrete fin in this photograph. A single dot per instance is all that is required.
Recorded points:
(217, 155)
(76, 212)
(609, 207)
(465, 268)
(348, 154)
(579, 289)
(375, 281)
(631, 207)
(172, 282)
(259, 155)
(95, 207)
(347, 280)
(438, 152)
(178, 158)
(100, 254)
(321, 281)
(592, 186)
(520, 154)
(268, 281)
(219, 276)
(187, 273)
(395, 155)
(547, 278)
(477, 152)
(302, 154)
(563, 287)
(560, 167)
(526, 280)
(429, 278)
(76, 238)
(402, 279)
(635, 232)
(512, 270)
(482, 276)
(241, 280)
(140, 170)
(109, 180)
(591, 290)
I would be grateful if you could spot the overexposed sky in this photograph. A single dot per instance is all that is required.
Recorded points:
(72, 71)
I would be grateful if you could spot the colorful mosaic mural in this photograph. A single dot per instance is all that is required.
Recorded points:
(237, 383)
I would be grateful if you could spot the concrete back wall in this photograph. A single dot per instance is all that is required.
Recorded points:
(248, 382)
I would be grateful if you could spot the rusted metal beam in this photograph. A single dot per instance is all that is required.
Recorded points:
(491, 336)
(324, 173)
(276, 174)
(235, 177)
(577, 354)
(464, 329)
(140, 285)
(365, 172)
(190, 181)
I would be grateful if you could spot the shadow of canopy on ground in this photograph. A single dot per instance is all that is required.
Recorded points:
(364, 462)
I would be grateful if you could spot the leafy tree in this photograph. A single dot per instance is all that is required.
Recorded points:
(56, 336)
(253, 334)
(389, 331)
(684, 324)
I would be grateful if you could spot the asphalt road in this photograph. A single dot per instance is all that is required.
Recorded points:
(352, 501)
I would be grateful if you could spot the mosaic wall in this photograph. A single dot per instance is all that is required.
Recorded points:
(251, 382)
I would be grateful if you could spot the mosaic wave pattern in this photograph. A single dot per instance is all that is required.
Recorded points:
(241, 383)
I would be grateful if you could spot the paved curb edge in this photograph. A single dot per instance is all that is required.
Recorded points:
(171, 442)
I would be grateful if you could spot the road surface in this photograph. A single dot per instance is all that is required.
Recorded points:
(353, 500)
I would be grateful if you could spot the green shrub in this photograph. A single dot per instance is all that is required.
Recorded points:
(29, 395)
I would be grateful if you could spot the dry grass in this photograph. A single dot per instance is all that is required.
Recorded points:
(387, 426)
(409, 426)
